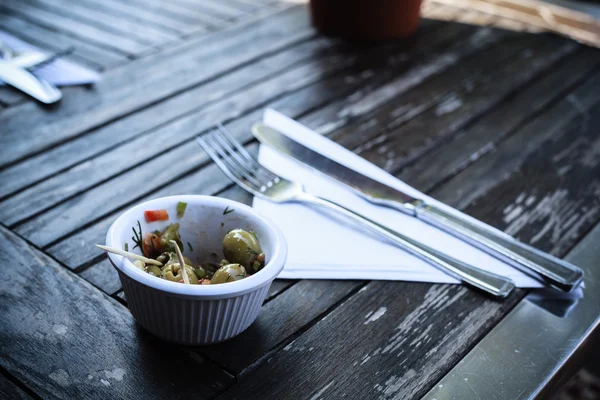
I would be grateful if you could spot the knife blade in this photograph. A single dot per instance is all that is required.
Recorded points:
(25, 81)
(541, 266)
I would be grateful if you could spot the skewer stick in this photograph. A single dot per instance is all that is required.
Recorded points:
(127, 254)
(186, 279)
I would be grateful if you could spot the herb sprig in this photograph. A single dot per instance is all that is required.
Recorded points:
(228, 210)
(137, 236)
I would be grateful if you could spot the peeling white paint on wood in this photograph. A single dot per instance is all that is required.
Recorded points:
(59, 329)
(116, 374)
(61, 377)
(320, 392)
(448, 106)
(374, 316)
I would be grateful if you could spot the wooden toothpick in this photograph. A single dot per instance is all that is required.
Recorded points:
(130, 255)
(186, 279)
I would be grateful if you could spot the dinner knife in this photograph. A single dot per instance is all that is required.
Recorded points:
(541, 266)
(25, 81)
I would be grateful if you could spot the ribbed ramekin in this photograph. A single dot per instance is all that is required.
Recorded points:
(197, 314)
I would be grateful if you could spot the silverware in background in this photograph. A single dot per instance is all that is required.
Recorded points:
(542, 266)
(244, 170)
(15, 71)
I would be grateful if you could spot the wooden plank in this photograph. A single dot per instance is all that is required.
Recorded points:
(73, 28)
(156, 78)
(10, 391)
(189, 126)
(279, 319)
(469, 184)
(177, 11)
(548, 194)
(142, 33)
(11, 96)
(294, 104)
(50, 162)
(411, 140)
(144, 15)
(476, 140)
(104, 276)
(112, 163)
(221, 9)
(387, 341)
(89, 54)
(114, 358)
(380, 110)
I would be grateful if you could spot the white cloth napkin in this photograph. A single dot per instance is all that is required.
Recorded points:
(324, 246)
(59, 72)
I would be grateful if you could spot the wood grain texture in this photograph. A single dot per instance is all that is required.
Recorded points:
(312, 53)
(104, 276)
(278, 320)
(10, 391)
(549, 192)
(179, 11)
(157, 77)
(480, 138)
(471, 183)
(293, 105)
(89, 54)
(365, 120)
(140, 32)
(73, 28)
(387, 341)
(115, 160)
(414, 138)
(75, 342)
(146, 16)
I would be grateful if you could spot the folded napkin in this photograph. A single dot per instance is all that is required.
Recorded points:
(323, 245)
(59, 72)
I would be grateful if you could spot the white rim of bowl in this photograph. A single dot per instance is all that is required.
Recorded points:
(268, 273)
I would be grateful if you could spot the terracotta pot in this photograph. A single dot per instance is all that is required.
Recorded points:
(366, 19)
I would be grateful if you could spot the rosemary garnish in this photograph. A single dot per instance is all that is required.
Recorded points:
(190, 246)
(254, 234)
(137, 236)
(228, 210)
(126, 246)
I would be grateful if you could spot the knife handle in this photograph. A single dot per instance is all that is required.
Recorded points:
(489, 282)
(541, 266)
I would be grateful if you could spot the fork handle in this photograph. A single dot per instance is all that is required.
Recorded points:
(489, 282)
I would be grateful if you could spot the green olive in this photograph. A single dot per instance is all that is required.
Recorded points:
(242, 247)
(172, 272)
(200, 272)
(171, 233)
(229, 273)
(174, 259)
(153, 270)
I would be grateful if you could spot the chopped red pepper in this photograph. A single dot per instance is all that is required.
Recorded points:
(156, 215)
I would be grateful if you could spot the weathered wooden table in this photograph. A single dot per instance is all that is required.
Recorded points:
(500, 124)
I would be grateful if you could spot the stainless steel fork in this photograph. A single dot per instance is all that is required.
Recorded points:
(248, 173)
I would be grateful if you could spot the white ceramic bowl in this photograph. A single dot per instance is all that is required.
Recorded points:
(197, 314)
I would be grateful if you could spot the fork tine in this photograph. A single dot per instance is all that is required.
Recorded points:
(267, 174)
(235, 160)
(212, 153)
